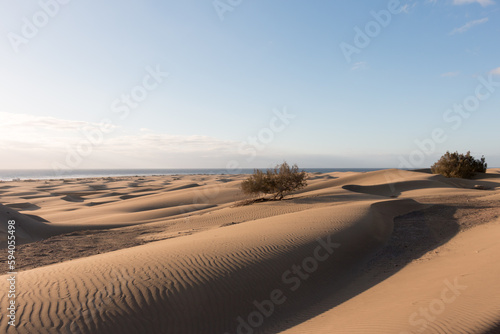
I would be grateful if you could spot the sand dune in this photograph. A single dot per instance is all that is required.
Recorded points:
(455, 292)
(351, 253)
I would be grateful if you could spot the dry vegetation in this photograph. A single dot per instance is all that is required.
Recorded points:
(459, 165)
(279, 181)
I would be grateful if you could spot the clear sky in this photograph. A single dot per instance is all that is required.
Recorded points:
(240, 83)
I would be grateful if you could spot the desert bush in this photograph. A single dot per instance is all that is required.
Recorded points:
(279, 181)
(459, 165)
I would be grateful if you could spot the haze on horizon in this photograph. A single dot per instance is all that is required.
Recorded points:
(195, 84)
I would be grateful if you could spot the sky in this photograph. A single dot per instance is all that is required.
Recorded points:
(242, 84)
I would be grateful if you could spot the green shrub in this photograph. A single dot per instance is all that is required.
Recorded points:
(459, 165)
(278, 181)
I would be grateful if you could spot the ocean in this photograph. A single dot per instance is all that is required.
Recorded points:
(44, 174)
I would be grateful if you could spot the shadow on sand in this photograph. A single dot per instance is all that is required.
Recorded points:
(414, 235)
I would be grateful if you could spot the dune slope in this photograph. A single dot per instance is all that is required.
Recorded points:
(351, 253)
(203, 282)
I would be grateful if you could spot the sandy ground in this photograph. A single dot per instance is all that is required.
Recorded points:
(379, 252)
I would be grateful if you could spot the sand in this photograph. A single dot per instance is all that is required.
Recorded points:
(379, 252)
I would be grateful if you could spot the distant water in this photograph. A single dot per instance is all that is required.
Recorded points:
(44, 174)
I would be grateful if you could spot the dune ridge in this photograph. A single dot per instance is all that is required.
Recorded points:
(187, 259)
(205, 268)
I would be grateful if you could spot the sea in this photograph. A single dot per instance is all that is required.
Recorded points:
(47, 174)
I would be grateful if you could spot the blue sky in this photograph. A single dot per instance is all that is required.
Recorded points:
(173, 84)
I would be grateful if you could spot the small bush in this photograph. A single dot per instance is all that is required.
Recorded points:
(459, 165)
(278, 181)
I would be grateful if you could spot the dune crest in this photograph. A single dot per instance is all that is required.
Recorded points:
(186, 259)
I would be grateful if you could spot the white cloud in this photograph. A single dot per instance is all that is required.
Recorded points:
(450, 74)
(362, 65)
(483, 3)
(39, 142)
(495, 71)
(49, 133)
(468, 25)
(12, 120)
(159, 142)
(473, 52)
(407, 7)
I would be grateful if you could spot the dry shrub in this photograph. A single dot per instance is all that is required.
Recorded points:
(459, 165)
(279, 181)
